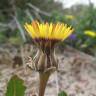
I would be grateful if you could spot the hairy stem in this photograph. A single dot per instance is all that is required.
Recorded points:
(43, 82)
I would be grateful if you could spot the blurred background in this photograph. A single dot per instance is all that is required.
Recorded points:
(80, 14)
(15, 44)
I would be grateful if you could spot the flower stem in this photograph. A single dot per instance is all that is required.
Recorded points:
(43, 76)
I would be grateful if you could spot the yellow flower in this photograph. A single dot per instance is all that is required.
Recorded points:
(57, 31)
(90, 33)
(71, 17)
(46, 35)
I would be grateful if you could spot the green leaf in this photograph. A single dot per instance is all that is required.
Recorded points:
(62, 93)
(15, 87)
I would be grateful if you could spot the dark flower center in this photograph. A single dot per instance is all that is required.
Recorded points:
(46, 45)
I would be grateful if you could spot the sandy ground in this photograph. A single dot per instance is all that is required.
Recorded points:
(76, 75)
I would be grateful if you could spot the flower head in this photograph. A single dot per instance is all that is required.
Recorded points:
(71, 17)
(73, 37)
(46, 35)
(90, 33)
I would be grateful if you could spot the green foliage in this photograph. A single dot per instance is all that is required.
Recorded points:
(15, 40)
(8, 9)
(62, 93)
(15, 87)
(47, 5)
(84, 19)
(2, 38)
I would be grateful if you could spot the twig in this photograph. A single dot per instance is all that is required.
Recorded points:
(22, 55)
(1, 30)
(38, 10)
(38, 16)
(15, 17)
(10, 25)
(20, 29)
(3, 25)
(57, 85)
(29, 14)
